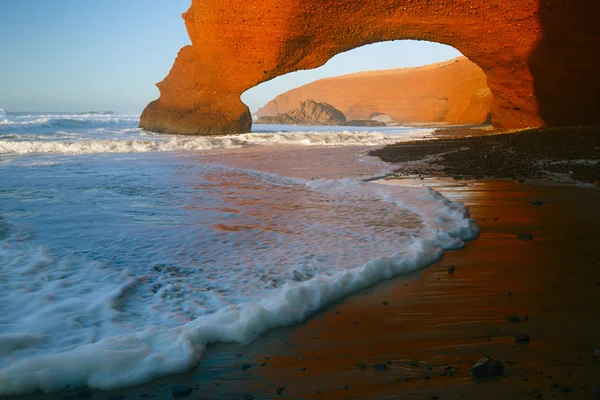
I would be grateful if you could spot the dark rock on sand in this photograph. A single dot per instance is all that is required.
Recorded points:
(381, 366)
(536, 203)
(487, 367)
(451, 269)
(566, 390)
(522, 338)
(525, 236)
(596, 355)
(526, 154)
(180, 390)
(279, 390)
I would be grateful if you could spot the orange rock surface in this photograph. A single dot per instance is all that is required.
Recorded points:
(539, 56)
(454, 92)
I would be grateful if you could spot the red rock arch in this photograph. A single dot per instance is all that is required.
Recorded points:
(239, 44)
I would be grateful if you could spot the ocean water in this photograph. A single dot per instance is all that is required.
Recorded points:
(124, 253)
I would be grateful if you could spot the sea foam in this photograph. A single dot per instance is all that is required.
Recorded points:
(344, 138)
(74, 330)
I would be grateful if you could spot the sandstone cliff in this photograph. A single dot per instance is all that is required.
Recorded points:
(308, 112)
(454, 92)
(539, 56)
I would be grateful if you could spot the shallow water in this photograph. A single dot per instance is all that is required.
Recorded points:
(124, 253)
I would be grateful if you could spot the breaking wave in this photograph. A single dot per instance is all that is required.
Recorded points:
(209, 142)
(75, 322)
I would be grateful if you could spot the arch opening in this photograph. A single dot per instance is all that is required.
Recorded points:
(386, 83)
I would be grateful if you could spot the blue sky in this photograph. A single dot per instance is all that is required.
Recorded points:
(81, 55)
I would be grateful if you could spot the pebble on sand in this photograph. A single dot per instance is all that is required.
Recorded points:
(525, 236)
(522, 338)
(487, 367)
(518, 318)
(180, 390)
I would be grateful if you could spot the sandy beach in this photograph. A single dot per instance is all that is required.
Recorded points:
(417, 336)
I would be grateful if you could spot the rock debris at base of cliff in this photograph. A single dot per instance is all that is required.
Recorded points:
(564, 154)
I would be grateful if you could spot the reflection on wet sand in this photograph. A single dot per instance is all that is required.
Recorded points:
(417, 337)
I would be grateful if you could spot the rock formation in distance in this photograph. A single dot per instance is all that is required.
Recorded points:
(308, 112)
(454, 92)
(539, 56)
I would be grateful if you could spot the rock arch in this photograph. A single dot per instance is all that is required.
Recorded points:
(519, 44)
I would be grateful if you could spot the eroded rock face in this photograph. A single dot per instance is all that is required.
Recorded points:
(539, 56)
(308, 112)
(453, 92)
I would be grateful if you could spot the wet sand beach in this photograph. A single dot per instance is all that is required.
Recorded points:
(416, 337)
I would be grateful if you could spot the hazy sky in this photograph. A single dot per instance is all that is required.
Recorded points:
(81, 55)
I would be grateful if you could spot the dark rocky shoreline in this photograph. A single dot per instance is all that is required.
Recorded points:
(563, 154)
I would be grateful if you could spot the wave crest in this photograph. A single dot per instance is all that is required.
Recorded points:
(212, 142)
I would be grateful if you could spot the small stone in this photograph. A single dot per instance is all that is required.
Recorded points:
(451, 269)
(522, 338)
(536, 203)
(536, 394)
(435, 398)
(180, 390)
(381, 366)
(415, 363)
(362, 365)
(279, 390)
(596, 355)
(487, 367)
(566, 390)
(525, 236)
(553, 386)
(426, 378)
(245, 367)
(518, 318)
(385, 303)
